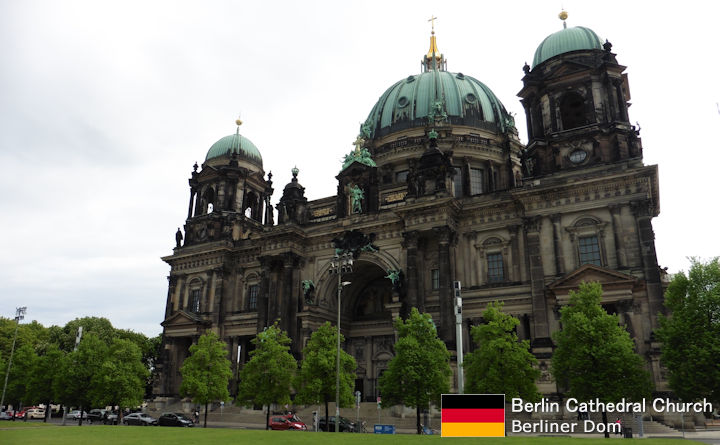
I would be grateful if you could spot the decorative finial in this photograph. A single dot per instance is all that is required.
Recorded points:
(432, 22)
(295, 172)
(433, 134)
(563, 16)
(195, 167)
(433, 60)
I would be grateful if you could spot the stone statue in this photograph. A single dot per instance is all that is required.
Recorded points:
(308, 287)
(356, 197)
(178, 238)
(395, 276)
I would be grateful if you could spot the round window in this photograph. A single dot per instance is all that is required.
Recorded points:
(471, 98)
(403, 101)
(578, 156)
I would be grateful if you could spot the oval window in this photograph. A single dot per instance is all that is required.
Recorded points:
(578, 156)
(410, 79)
(471, 98)
(403, 101)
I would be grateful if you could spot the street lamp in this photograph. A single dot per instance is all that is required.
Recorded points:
(340, 264)
(19, 315)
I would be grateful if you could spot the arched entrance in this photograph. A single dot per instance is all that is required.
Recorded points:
(369, 306)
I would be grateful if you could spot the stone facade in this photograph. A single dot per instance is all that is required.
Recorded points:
(442, 201)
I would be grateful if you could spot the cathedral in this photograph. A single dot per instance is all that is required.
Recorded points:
(439, 190)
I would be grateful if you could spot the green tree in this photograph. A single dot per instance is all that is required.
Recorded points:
(420, 371)
(691, 334)
(501, 364)
(23, 362)
(595, 356)
(206, 372)
(267, 376)
(317, 377)
(121, 378)
(42, 378)
(78, 370)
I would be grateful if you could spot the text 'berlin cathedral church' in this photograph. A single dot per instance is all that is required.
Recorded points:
(438, 189)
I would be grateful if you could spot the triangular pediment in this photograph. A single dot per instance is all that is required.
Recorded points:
(181, 318)
(590, 272)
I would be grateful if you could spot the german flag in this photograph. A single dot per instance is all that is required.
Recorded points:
(473, 415)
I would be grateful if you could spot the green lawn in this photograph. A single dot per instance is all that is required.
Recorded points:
(38, 434)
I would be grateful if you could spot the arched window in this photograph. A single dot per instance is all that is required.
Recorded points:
(572, 111)
(208, 200)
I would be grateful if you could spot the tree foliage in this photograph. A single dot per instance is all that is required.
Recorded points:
(120, 379)
(317, 377)
(23, 362)
(44, 373)
(206, 372)
(267, 376)
(420, 371)
(501, 364)
(595, 356)
(691, 334)
(77, 371)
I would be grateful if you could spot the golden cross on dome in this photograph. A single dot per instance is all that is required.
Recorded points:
(432, 21)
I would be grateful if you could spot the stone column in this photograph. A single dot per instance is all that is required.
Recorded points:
(651, 270)
(445, 291)
(557, 245)
(617, 230)
(515, 249)
(263, 299)
(290, 300)
(537, 285)
(410, 243)
(172, 282)
(190, 205)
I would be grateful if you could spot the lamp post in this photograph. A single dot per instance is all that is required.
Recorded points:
(341, 263)
(19, 315)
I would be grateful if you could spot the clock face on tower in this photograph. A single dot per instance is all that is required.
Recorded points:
(577, 156)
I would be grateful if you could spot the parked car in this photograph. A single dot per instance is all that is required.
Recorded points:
(346, 426)
(174, 419)
(286, 422)
(35, 413)
(111, 419)
(6, 415)
(96, 415)
(141, 419)
(75, 415)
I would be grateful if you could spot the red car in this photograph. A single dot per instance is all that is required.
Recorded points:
(286, 422)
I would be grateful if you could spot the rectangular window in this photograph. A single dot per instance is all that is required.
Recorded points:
(495, 268)
(589, 250)
(253, 292)
(195, 300)
(401, 176)
(457, 183)
(435, 279)
(476, 181)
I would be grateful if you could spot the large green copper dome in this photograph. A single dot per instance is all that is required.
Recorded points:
(453, 97)
(566, 40)
(235, 143)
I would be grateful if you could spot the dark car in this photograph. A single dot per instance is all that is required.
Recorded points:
(96, 415)
(346, 426)
(141, 419)
(286, 422)
(174, 419)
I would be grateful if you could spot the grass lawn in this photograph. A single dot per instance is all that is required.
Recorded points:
(39, 434)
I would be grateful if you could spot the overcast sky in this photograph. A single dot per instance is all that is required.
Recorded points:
(105, 106)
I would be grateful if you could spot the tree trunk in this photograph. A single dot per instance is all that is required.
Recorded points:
(327, 416)
(267, 418)
(605, 422)
(81, 416)
(205, 421)
(417, 419)
(47, 411)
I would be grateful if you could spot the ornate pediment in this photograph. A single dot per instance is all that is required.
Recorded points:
(183, 320)
(616, 285)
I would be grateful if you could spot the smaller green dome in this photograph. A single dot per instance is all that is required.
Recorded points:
(566, 40)
(235, 143)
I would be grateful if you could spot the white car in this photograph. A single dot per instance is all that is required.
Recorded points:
(35, 413)
(75, 414)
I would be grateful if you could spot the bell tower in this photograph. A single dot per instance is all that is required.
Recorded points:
(576, 100)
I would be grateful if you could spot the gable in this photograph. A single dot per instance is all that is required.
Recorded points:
(616, 285)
